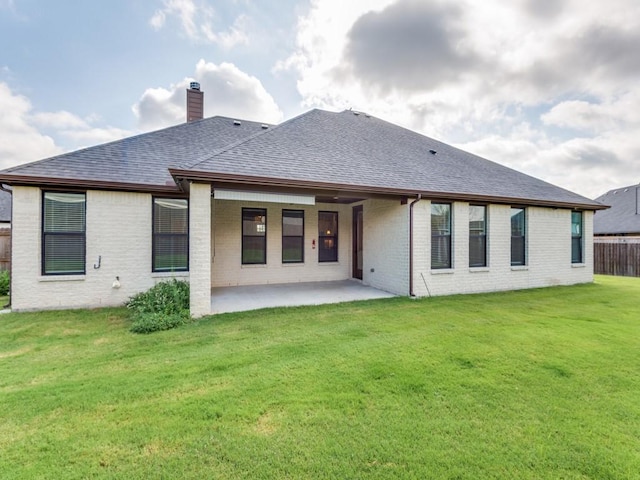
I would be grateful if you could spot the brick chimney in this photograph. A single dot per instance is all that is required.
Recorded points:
(195, 102)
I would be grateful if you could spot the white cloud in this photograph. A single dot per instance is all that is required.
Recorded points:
(198, 23)
(20, 140)
(228, 91)
(22, 131)
(511, 81)
(95, 135)
(617, 113)
(61, 119)
(79, 130)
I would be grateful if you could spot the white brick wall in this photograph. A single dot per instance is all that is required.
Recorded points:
(118, 229)
(386, 245)
(227, 268)
(548, 252)
(200, 249)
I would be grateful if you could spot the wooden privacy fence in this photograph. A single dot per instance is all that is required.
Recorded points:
(617, 256)
(5, 249)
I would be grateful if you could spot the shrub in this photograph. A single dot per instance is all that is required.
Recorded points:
(162, 307)
(5, 282)
(155, 322)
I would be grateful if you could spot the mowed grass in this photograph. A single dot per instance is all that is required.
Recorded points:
(528, 385)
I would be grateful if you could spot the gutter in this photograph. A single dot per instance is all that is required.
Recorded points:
(277, 182)
(411, 293)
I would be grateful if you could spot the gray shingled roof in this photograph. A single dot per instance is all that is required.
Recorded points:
(319, 148)
(143, 159)
(358, 150)
(624, 215)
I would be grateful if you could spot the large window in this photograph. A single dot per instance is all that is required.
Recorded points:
(170, 235)
(328, 236)
(254, 236)
(477, 236)
(518, 236)
(63, 233)
(292, 236)
(576, 237)
(440, 235)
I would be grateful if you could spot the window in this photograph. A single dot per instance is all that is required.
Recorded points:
(292, 236)
(576, 237)
(477, 236)
(170, 249)
(63, 233)
(254, 236)
(328, 236)
(518, 238)
(440, 235)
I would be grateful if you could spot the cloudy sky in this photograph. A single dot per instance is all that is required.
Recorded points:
(549, 87)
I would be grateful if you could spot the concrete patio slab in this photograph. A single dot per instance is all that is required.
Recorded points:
(253, 297)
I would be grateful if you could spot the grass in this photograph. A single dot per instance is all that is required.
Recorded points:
(530, 385)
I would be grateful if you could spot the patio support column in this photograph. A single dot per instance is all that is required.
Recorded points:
(200, 249)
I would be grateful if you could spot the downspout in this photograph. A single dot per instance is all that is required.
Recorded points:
(411, 293)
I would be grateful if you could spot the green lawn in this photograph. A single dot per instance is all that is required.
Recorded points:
(521, 385)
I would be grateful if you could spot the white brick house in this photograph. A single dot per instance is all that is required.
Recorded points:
(322, 197)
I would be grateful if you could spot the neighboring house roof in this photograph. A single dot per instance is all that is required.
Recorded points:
(5, 206)
(347, 152)
(624, 215)
(140, 161)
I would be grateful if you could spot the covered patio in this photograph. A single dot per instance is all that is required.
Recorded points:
(253, 297)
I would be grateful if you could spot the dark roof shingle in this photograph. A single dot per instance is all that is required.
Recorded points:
(142, 159)
(358, 150)
(339, 150)
(624, 215)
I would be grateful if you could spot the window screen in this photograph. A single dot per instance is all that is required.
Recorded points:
(254, 236)
(576, 237)
(170, 234)
(292, 236)
(477, 236)
(328, 236)
(63, 233)
(440, 235)
(518, 236)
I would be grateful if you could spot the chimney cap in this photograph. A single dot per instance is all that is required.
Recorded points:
(194, 86)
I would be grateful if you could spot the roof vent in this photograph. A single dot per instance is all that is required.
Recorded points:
(432, 152)
(237, 122)
(356, 113)
(194, 86)
(264, 126)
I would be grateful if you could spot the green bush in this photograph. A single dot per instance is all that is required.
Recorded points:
(5, 282)
(154, 322)
(162, 307)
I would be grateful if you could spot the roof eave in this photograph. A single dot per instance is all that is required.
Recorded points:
(54, 182)
(180, 175)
